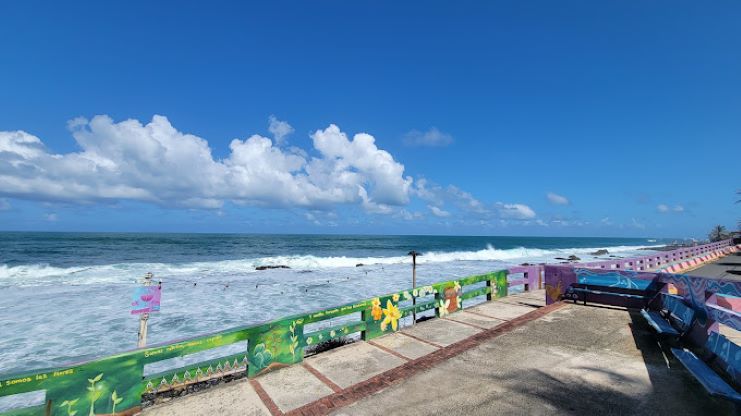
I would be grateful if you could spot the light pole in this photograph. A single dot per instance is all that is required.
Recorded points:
(414, 284)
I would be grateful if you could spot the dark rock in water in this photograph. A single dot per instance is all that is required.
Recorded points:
(524, 264)
(280, 266)
(359, 265)
(570, 258)
(600, 252)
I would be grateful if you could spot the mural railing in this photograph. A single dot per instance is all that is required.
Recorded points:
(117, 383)
(659, 259)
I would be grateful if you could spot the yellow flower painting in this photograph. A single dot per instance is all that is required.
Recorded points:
(392, 316)
(376, 311)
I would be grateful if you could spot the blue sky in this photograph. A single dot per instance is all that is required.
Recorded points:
(505, 118)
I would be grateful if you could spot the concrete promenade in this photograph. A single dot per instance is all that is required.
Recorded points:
(510, 356)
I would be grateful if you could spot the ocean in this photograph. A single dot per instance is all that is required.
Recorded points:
(66, 296)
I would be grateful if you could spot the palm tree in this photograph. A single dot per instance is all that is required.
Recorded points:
(718, 233)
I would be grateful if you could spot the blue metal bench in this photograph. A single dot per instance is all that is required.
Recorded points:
(728, 355)
(678, 312)
(674, 317)
(661, 325)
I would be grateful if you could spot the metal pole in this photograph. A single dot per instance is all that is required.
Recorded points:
(143, 318)
(414, 284)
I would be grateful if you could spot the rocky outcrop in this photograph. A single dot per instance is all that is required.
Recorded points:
(280, 266)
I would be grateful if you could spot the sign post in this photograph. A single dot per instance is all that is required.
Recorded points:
(145, 301)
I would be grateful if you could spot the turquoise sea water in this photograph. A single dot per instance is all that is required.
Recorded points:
(65, 296)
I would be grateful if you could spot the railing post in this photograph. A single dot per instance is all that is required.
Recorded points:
(364, 318)
(502, 285)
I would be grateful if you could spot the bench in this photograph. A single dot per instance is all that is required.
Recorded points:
(608, 286)
(661, 325)
(729, 356)
(674, 317)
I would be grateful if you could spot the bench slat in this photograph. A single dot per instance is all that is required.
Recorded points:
(712, 382)
(600, 292)
(659, 323)
(681, 313)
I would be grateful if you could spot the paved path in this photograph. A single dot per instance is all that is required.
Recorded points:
(578, 360)
(350, 373)
(510, 356)
(728, 267)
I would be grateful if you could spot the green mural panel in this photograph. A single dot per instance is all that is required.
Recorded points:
(280, 344)
(106, 386)
(191, 346)
(382, 317)
(448, 297)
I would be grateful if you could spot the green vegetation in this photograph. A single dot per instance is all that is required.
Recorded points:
(718, 233)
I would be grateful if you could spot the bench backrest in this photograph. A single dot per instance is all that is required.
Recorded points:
(681, 313)
(728, 352)
(613, 280)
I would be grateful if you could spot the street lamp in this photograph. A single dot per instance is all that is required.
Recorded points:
(414, 255)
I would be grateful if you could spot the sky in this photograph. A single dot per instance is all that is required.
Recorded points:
(571, 118)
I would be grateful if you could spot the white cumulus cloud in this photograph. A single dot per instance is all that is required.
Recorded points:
(432, 137)
(156, 163)
(279, 129)
(438, 212)
(664, 208)
(557, 199)
(515, 211)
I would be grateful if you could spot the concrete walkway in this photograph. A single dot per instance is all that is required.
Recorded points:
(727, 268)
(511, 356)
(578, 360)
(345, 370)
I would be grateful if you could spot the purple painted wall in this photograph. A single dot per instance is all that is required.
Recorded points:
(653, 261)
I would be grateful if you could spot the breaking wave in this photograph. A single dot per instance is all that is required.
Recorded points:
(34, 274)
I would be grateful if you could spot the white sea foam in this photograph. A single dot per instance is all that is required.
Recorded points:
(39, 274)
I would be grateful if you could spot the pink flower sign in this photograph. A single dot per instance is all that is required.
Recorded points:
(146, 299)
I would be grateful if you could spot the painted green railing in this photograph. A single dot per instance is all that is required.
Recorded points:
(116, 384)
